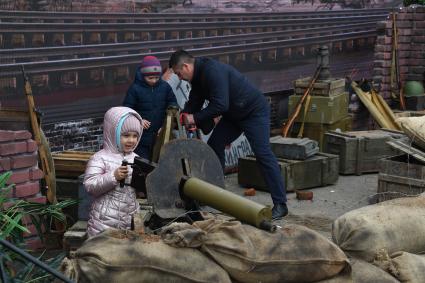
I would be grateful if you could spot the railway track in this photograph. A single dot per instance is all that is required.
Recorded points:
(13, 69)
(30, 54)
(27, 16)
(270, 82)
(46, 28)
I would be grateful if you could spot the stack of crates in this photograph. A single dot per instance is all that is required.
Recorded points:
(301, 165)
(327, 110)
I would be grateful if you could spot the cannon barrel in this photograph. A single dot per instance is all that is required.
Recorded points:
(241, 208)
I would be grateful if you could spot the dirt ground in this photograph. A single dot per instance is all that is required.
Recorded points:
(330, 202)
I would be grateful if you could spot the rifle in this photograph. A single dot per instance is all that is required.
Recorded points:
(291, 119)
(42, 150)
(395, 84)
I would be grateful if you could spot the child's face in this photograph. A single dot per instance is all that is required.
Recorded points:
(151, 80)
(129, 141)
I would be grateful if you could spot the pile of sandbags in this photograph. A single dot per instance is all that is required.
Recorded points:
(395, 228)
(209, 251)
(291, 254)
(126, 256)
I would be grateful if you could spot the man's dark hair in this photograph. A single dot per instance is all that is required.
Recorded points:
(179, 57)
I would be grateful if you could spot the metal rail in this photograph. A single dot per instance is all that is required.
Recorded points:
(132, 47)
(13, 69)
(33, 260)
(12, 27)
(86, 16)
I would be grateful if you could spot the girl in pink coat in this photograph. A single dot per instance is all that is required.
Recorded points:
(113, 206)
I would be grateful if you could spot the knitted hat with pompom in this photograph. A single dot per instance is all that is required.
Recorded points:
(150, 66)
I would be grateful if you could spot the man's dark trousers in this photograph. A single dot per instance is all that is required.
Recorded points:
(257, 130)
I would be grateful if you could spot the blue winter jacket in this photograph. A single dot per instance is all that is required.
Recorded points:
(151, 102)
(228, 92)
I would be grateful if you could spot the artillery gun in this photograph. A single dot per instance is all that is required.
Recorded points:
(188, 174)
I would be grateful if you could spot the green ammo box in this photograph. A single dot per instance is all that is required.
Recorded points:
(316, 171)
(360, 151)
(322, 109)
(330, 87)
(316, 131)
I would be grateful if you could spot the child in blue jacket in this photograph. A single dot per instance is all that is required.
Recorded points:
(149, 96)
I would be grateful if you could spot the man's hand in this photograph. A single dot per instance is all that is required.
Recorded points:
(187, 119)
(167, 74)
(146, 124)
(121, 173)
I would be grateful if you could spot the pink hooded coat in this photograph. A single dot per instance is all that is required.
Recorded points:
(112, 206)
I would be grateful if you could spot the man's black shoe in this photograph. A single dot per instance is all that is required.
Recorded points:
(279, 211)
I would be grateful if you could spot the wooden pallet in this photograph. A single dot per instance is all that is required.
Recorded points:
(71, 164)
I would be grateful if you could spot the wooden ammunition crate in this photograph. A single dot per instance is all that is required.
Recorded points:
(330, 87)
(360, 151)
(71, 164)
(409, 113)
(316, 171)
(322, 109)
(316, 131)
(292, 148)
(400, 176)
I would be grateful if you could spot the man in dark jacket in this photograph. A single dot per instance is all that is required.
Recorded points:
(242, 107)
(150, 96)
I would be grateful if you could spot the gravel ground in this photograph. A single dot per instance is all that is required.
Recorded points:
(330, 202)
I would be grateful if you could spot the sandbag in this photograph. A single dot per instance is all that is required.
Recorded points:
(344, 276)
(119, 256)
(364, 272)
(406, 267)
(393, 225)
(414, 128)
(291, 254)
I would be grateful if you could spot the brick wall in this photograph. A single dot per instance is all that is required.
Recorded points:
(410, 22)
(79, 135)
(18, 153)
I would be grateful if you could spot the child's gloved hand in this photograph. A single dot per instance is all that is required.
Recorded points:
(121, 173)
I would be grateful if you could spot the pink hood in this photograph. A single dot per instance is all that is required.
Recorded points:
(112, 123)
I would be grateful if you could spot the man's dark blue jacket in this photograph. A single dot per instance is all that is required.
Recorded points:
(228, 92)
(151, 103)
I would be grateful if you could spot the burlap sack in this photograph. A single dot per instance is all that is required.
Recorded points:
(406, 267)
(117, 256)
(414, 128)
(344, 276)
(364, 272)
(291, 254)
(393, 225)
